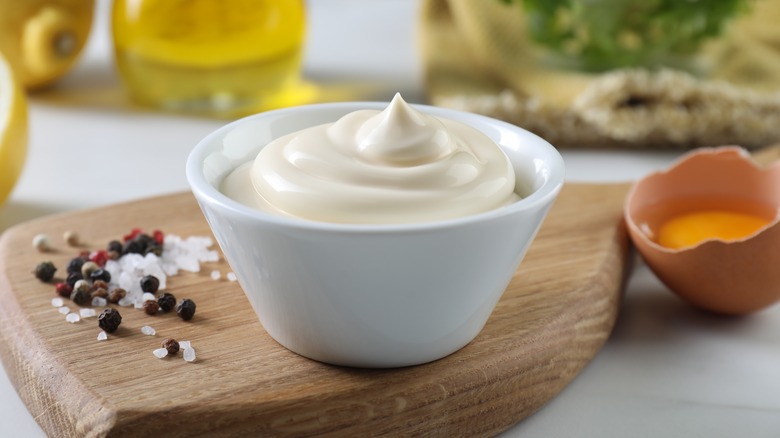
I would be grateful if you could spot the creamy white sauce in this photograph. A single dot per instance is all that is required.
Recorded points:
(377, 167)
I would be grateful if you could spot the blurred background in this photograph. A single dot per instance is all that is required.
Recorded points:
(87, 119)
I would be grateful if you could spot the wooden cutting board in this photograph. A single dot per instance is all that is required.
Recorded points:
(555, 315)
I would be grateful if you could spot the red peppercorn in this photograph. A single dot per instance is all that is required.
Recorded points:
(133, 233)
(158, 236)
(100, 257)
(63, 289)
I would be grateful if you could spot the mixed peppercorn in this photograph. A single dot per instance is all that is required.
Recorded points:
(88, 282)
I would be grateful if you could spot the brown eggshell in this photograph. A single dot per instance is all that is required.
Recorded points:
(735, 277)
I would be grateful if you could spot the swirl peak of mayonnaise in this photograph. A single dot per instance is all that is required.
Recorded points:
(393, 166)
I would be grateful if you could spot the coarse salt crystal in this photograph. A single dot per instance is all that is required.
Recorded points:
(102, 336)
(185, 262)
(57, 302)
(125, 280)
(72, 318)
(99, 302)
(189, 354)
(114, 268)
(215, 275)
(125, 301)
(138, 304)
(170, 268)
(231, 276)
(147, 330)
(148, 297)
(87, 313)
(185, 345)
(160, 353)
(64, 310)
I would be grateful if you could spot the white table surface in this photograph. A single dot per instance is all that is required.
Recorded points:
(667, 370)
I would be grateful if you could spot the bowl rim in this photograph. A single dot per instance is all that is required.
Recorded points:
(553, 176)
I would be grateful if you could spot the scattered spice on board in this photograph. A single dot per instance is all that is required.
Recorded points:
(166, 301)
(109, 320)
(128, 273)
(41, 243)
(171, 345)
(44, 271)
(186, 309)
(151, 307)
(71, 238)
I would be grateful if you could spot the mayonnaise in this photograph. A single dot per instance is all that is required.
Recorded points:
(377, 167)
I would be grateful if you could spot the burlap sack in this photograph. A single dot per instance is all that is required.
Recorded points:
(477, 59)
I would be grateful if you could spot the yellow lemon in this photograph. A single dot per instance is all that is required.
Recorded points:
(42, 39)
(13, 129)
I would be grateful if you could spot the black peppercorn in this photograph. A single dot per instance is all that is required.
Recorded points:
(116, 294)
(115, 246)
(100, 274)
(151, 307)
(145, 240)
(154, 249)
(75, 265)
(141, 244)
(132, 247)
(150, 283)
(166, 301)
(73, 277)
(45, 271)
(109, 320)
(171, 345)
(186, 309)
(81, 294)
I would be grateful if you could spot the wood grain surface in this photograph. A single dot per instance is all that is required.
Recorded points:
(555, 315)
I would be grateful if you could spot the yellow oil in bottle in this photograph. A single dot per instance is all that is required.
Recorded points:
(219, 57)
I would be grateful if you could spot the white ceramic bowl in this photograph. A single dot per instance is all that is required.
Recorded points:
(372, 295)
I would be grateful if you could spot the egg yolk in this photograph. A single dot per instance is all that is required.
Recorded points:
(693, 228)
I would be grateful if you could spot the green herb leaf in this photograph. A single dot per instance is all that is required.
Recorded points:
(604, 34)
